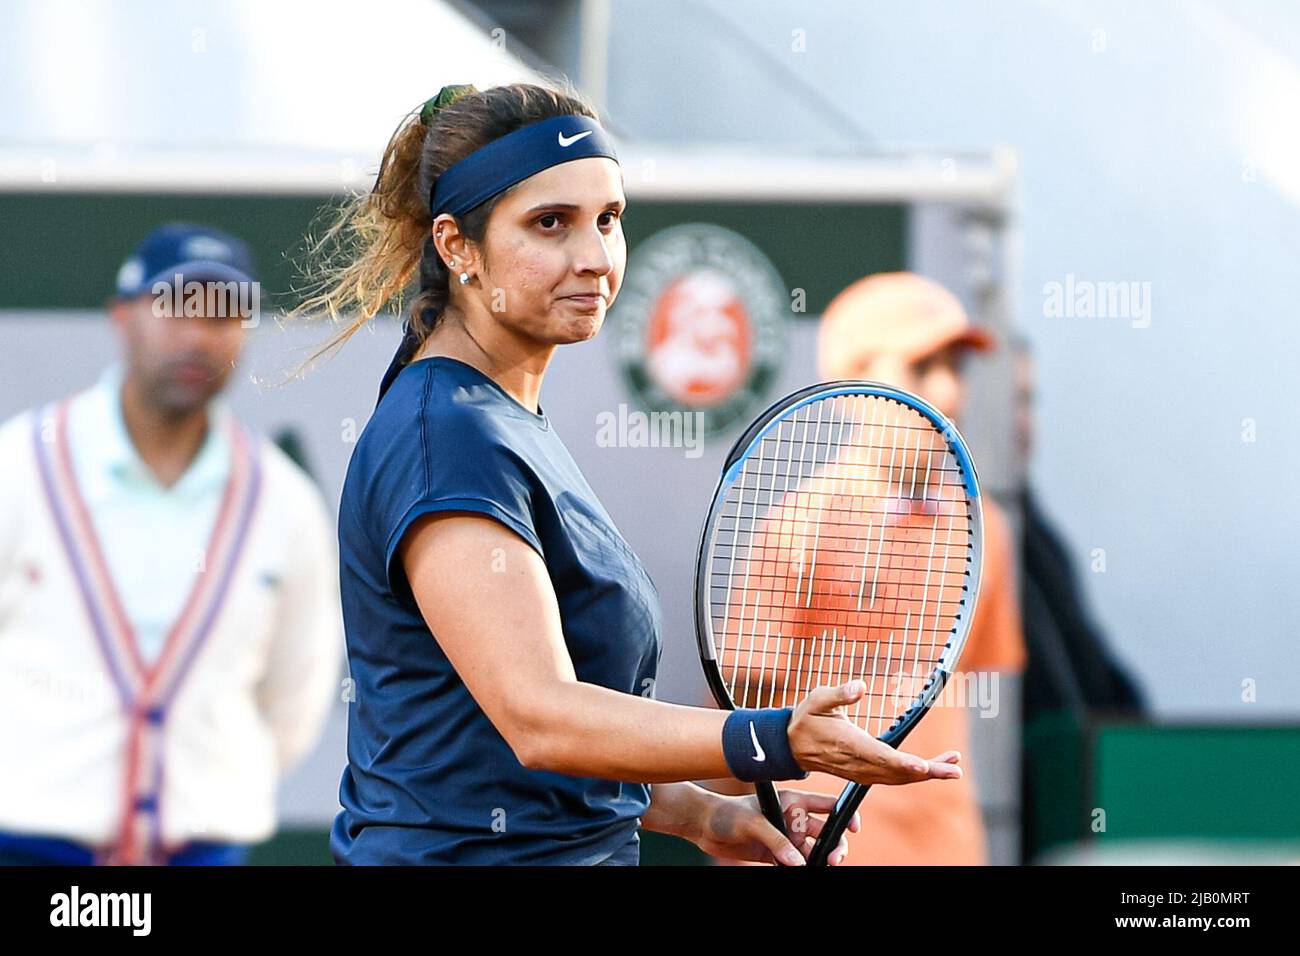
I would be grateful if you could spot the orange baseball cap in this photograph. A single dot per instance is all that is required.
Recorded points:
(895, 313)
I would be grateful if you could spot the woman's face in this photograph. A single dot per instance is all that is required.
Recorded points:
(554, 252)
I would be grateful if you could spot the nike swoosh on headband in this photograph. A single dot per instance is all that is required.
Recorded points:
(569, 141)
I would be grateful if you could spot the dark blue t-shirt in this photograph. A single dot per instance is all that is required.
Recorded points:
(429, 779)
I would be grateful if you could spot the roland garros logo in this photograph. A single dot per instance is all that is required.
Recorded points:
(700, 323)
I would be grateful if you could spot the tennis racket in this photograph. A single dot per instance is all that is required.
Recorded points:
(844, 540)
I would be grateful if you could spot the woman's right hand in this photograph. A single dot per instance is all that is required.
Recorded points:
(822, 738)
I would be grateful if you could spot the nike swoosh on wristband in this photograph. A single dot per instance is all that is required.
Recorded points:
(569, 141)
(759, 756)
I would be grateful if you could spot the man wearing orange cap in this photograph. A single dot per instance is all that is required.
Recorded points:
(904, 330)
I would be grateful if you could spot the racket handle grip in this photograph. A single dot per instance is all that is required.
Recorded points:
(770, 803)
(837, 822)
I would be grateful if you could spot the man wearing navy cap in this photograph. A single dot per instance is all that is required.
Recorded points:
(177, 365)
(170, 631)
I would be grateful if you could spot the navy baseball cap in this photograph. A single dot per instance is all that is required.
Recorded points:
(197, 253)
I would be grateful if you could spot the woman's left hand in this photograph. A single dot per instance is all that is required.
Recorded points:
(734, 828)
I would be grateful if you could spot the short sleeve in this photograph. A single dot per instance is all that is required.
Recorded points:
(457, 460)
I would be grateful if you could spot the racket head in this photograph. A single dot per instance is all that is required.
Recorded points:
(845, 458)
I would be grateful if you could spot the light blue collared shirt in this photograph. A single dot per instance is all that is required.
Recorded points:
(153, 538)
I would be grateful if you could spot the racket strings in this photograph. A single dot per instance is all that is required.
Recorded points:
(842, 550)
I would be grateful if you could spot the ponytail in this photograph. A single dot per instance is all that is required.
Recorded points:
(376, 244)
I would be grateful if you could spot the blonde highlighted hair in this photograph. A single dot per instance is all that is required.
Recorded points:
(375, 245)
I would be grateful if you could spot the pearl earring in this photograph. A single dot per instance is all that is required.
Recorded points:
(464, 278)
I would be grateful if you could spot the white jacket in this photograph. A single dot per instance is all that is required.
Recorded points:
(238, 696)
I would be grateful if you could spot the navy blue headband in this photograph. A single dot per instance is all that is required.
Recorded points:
(500, 164)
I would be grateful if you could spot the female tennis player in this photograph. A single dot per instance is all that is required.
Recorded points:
(503, 638)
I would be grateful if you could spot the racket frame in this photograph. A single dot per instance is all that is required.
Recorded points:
(851, 797)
